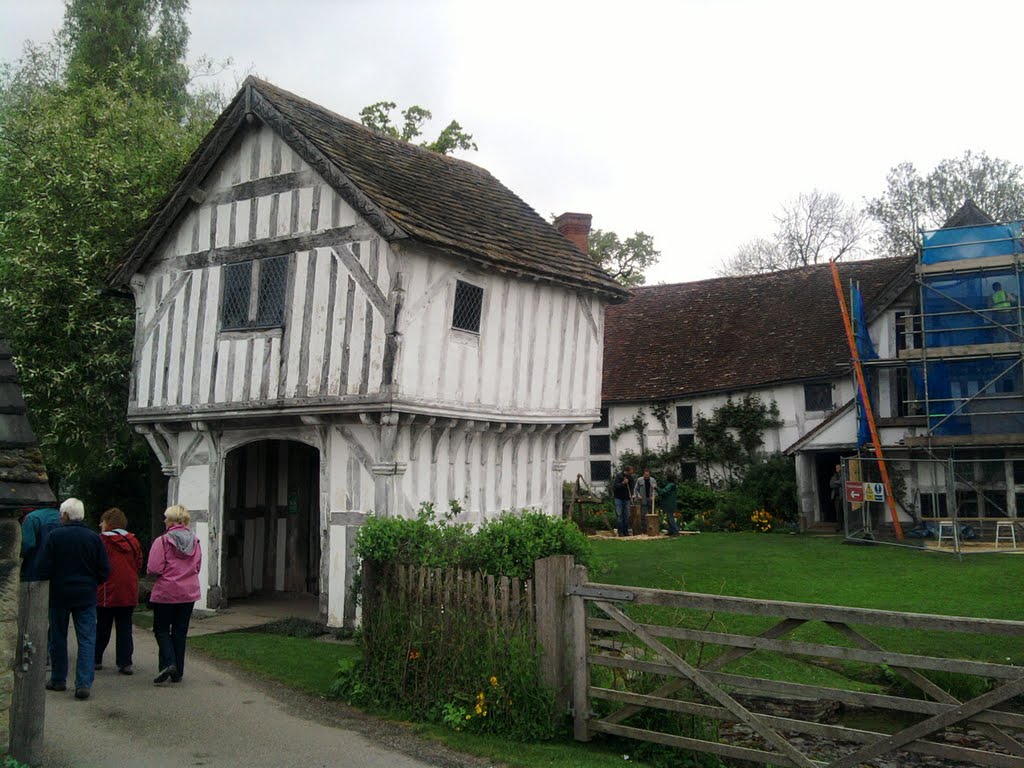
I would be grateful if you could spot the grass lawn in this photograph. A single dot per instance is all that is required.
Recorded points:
(303, 663)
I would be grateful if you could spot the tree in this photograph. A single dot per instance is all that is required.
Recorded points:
(912, 202)
(138, 44)
(811, 229)
(625, 261)
(378, 117)
(83, 159)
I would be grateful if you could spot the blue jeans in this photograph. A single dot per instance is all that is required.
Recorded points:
(170, 625)
(622, 513)
(85, 632)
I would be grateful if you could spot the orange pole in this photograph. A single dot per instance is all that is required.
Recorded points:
(862, 386)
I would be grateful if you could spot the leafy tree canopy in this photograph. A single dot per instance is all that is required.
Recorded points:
(378, 116)
(135, 44)
(912, 201)
(83, 159)
(626, 261)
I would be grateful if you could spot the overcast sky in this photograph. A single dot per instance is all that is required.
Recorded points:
(691, 120)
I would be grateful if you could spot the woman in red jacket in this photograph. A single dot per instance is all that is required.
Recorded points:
(118, 595)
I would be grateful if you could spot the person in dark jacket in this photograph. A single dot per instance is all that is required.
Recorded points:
(35, 530)
(117, 597)
(622, 491)
(667, 497)
(75, 562)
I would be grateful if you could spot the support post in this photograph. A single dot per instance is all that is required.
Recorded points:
(580, 663)
(551, 581)
(28, 707)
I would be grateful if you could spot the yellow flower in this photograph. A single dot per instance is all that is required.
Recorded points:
(494, 681)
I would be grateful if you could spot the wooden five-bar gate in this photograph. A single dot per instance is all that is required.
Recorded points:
(591, 627)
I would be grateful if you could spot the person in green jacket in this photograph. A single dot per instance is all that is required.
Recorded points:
(667, 499)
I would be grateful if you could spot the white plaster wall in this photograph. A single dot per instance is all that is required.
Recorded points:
(538, 350)
(796, 421)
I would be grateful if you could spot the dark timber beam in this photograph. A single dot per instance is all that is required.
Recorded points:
(277, 246)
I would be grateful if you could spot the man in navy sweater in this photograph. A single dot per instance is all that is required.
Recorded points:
(75, 562)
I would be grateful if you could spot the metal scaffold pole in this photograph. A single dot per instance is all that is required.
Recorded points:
(866, 401)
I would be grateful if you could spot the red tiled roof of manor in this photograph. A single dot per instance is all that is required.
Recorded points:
(734, 333)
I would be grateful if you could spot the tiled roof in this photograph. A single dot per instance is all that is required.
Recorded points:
(735, 333)
(431, 198)
(968, 215)
(23, 478)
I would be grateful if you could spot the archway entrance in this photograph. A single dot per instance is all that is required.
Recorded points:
(271, 520)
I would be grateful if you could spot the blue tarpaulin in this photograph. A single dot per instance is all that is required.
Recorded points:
(866, 351)
(971, 242)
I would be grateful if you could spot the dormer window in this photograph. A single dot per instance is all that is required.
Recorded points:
(242, 308)
(469, 301)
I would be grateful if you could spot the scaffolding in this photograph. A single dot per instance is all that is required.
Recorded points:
(959, 375)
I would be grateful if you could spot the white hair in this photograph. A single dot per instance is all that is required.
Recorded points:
(73, 509)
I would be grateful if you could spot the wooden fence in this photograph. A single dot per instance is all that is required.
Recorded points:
(509, 603)
(601, 633)
(581, 625)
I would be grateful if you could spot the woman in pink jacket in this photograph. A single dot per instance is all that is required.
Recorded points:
(174, 559)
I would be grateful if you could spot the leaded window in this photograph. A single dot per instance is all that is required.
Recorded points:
(469, 302)
(818, 396)
(242, 307)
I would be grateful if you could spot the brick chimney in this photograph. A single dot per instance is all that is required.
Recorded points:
(576, 227)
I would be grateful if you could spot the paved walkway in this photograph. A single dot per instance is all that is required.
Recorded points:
(217, 717)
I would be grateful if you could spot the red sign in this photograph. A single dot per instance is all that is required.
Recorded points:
(854, 491)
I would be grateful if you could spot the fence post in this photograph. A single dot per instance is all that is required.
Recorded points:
(551, 579)
(580, 667)
(28, 709)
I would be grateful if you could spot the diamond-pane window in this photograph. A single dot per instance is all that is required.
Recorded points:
(237, 285)
(240, 308)
(684, 416)
(600, 445)
(469, 300)
(270, 303)
(600, 471)
(818, 396)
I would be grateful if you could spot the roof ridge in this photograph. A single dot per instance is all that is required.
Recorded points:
(261, 85)
(776, 273)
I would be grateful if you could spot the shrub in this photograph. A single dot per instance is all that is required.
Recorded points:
(733, 510)
(509, 544)
(772, 483)
(694, 499)
(424, 540)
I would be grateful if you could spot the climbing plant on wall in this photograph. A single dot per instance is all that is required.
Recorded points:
(729, 441)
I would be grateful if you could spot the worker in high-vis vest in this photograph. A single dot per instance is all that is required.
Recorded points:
(1002, 302)
(1001, 299)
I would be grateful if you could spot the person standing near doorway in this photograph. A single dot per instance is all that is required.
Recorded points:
(174, 559)
(835, 486)
(118, 595)
(75, 562)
